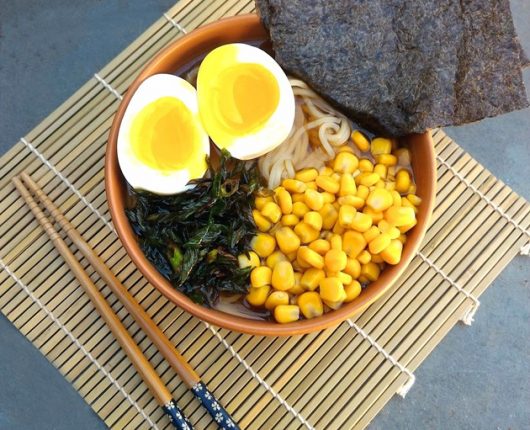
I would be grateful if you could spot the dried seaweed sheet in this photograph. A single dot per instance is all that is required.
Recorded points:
(397, 66)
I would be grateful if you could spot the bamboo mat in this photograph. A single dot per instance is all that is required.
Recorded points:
(336, 379)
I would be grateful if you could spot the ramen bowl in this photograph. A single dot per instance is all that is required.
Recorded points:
(176, 59)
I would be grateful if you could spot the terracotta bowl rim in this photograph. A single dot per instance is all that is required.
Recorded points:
(114, 181)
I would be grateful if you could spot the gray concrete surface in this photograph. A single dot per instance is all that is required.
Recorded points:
(477, 378)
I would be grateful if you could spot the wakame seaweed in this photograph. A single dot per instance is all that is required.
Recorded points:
(193, 238)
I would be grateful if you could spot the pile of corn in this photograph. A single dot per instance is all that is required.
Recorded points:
(325, 234)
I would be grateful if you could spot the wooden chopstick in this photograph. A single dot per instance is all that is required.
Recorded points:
(127, 343)
(164, 345)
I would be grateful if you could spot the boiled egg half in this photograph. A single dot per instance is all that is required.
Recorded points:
(246, 103)
(161, 142)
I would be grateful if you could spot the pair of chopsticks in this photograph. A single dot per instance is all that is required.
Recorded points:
(142, 365)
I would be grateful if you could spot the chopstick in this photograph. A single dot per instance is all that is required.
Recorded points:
(142, 365)
(167, 349)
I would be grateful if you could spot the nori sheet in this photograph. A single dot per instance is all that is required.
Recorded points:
(397, 66)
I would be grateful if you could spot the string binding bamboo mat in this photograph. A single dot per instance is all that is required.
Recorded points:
(335, 379)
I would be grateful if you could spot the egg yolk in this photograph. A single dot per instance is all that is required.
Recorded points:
(241, 98)
(164, 137)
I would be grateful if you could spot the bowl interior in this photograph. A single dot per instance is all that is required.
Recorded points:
(181, 56)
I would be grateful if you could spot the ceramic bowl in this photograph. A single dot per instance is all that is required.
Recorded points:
(178, 57)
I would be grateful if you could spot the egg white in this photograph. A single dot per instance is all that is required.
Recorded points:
(279, 124)
(139, 175)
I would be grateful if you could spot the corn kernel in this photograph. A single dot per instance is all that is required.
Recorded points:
(299, 264)
(331, 289)
(392, 253)
(412, 189)
(347, 185)
(379, 243)
(294, 186)
(306, 175)
(262, 223)
(310, 304)
(403, 156)
(335, 176)
(336, 242)
(353, 268)
(260, 276)
(286, 313)
(287, 240)
(407, 203)
(353, 243)
(381, 170)
(379, 199)
(284, 200)
(407, 227)
(343, 277)
(314, 220)
(400, 216)
(352, 290)
(335, 260)
(258, 296)
(363, 191)
(379, 184)
(283, 276)
(365, 165)
(272, 211)
(298, 197)
(291, 256)
(311, 185)
(386, 159)
(290, 220)
(381, 145)
(354, 201)
(345, 162)
(402, 181)
(396, 198)
(249, 259)
(390, 186)
(320, 245)
(364, 257)
(327, 197)
(310, 257)
(374, 215)
(414, 199)
(336, 305)
(305, 232)
(275, 258)
(276, 298)
(326, 171)
(298, 288)
(367, 179)
(385, 227)
(260, 201)
(376, 258)
(338, 229)
(300, 209)
(327, 183)
(361, 222)
(361, 141)
(263, 244)
(313, 199)
(370, 271)
(311, 278)
(329, 216)
(371, 233)
(346, 215)
(345, 148)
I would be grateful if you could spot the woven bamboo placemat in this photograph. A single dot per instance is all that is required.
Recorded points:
(336, 379)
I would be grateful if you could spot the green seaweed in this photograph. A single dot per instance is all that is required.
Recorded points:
(193, 238)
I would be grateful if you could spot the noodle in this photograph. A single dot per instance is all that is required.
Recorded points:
(300, 150)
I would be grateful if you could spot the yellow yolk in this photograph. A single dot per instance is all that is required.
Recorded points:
(245, 96)
(164, 136)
